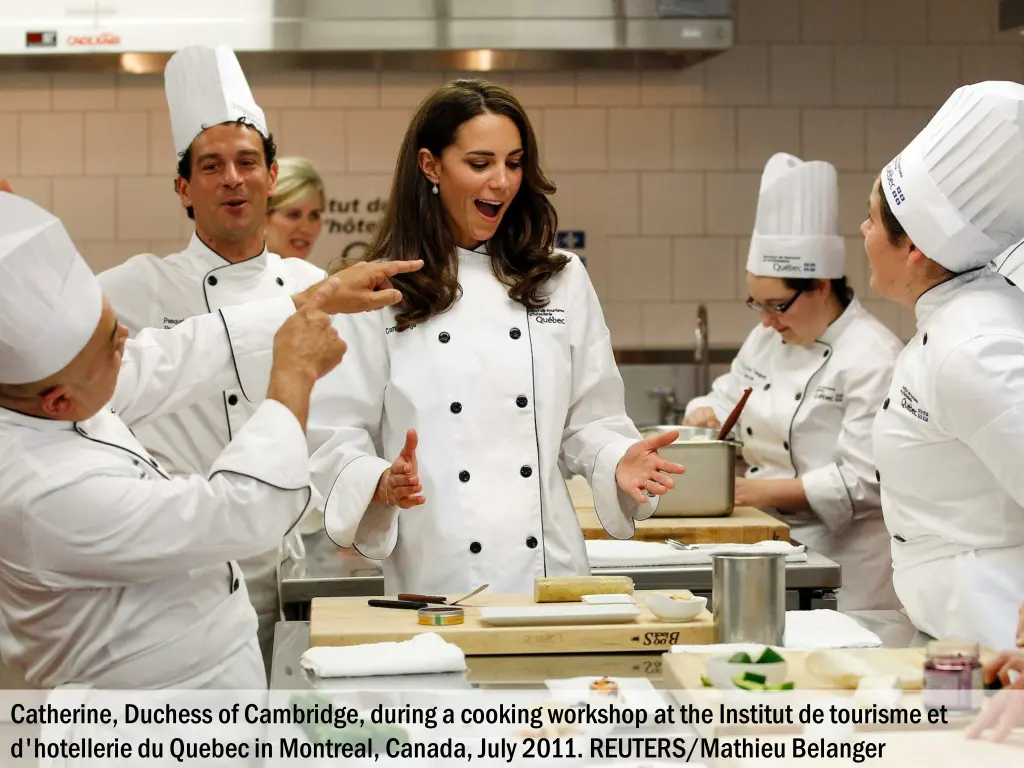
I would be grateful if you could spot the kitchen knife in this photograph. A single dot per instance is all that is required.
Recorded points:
(412, 605)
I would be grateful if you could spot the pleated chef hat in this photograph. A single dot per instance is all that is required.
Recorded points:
(50, 300)
(205, 87)
(958, 187)
(796, 231)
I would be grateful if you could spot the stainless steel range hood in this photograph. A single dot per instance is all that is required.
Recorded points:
(474, 35)
(1011, 17)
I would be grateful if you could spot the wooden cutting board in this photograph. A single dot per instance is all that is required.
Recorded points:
(746, 525)
(682, 675)
(351, 621)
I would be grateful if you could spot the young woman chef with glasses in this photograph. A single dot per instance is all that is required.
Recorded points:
(819, 366)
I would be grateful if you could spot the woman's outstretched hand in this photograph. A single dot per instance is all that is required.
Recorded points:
(642, 473)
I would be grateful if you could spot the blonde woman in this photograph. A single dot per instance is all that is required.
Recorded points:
(295, 215)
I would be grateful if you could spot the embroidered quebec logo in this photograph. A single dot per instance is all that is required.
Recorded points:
(829, 394)
(909, 403)
(548, 316)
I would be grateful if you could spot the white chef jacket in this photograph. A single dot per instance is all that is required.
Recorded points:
(114, 574)
(948, 447)
(147, 291)
(499, 397)
(809, 417)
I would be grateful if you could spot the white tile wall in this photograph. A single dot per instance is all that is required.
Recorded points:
(660, 169)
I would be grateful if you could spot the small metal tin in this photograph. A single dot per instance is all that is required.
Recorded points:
(441, 615)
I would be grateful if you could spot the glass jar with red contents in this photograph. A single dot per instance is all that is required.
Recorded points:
(953, 676)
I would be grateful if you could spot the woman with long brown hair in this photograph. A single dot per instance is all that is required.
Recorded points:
(493, 376)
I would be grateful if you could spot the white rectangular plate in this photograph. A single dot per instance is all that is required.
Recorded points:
(538, 615)
(608, 599)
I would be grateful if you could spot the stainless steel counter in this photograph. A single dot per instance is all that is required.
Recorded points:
(326, 572)
(291, 639)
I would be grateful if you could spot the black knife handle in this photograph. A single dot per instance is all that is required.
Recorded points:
(412, 605)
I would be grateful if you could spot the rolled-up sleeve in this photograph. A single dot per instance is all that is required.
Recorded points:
(344, 420)
(113, 529)
(838, 490)
(597, 430)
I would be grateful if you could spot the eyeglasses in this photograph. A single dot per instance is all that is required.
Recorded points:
(777, 309)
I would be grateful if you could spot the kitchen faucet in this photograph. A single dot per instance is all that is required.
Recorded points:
(701, 354)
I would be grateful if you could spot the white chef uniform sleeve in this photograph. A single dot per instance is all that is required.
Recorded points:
(344, 422)
(837, 490)
(597, 431)
(979, 399)
(115, 529)
(164, 370)
(131, 289)
(727, 389)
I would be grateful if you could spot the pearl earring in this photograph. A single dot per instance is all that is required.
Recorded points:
(434, 190)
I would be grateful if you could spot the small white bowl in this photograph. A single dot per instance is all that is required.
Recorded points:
(668, 608)
(721, 672)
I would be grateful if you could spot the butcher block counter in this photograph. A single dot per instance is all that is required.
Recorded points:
(746, 525)
(291, 640)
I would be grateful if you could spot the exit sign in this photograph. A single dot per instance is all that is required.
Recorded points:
(571, 239)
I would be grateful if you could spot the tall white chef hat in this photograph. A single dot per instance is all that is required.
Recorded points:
(50, 300)
(958, 187)
(206, 86)
(796, 231)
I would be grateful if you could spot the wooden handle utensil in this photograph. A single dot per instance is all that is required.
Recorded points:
(735, 415)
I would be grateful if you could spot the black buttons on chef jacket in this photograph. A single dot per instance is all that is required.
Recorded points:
(475, 547)
(234, 586)
(885, 405)
(444, 338)
(826, 352)
(464, 476)
(925, 339)
(899, 538)
(521, 401)
(1010, 282)
(525, 471)
(515, 333)
(753, 470)
(767, 387)
(531, 542)
(456, 407)
(280, 281)
(211, 280)
(798, 395)
(232, 399)
(750, 431)
(878, 476)
(785, 446)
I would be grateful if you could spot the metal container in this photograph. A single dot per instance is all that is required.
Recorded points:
(708, 489)
(748, 596)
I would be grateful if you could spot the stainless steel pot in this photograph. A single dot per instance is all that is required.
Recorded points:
(709, 486)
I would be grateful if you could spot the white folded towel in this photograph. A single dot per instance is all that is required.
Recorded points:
(425, 653)
(613, 553)
(805, 631)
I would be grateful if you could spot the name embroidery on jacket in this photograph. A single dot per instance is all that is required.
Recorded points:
(909, 403)
(548, 316)
(829, 394)
(170, 322)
